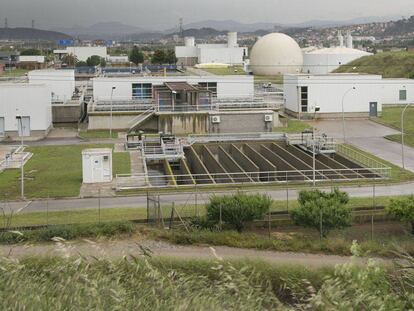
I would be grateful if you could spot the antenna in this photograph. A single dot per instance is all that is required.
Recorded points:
(33, 23)
(180, 25)
(6, 24)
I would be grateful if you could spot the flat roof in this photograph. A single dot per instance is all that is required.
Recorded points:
(179, 86)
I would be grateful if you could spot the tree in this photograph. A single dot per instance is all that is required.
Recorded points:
(158, 57)
(69, 59)
(237, 209)
(81, 64)
(94, 60)
(136, 56)
(322, 211)
(31, 52)
(403, 210)
(170, 57)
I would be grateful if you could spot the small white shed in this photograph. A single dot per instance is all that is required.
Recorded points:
(97, 165)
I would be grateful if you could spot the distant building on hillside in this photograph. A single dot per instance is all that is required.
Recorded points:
(228, 53)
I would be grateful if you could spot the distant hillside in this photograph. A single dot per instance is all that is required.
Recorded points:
(387, 64)
(401, 27)
(31, 34)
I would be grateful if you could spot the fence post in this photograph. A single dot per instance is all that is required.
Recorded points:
(320, 224)
(269, 222)
(47, 211)
(287, 199)
(196, 201)
(373, 210)
(99, 206)
(220, 225)
(172, 214)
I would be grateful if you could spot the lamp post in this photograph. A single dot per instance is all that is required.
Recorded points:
(110, 118)
(343, 112)
(20, 121)
(402, 134)
(317, 109)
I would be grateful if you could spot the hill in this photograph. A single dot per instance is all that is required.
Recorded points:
(31, 34)
(387, 64)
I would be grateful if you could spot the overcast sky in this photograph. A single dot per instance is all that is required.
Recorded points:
(161, 14)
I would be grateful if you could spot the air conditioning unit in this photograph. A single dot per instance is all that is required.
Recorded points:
(215, 119)
(268, 118)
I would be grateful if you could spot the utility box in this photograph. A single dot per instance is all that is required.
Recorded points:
(97, 165)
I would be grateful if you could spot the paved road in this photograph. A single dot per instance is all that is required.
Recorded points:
(368, 136)
(117, 249)
(187, 198)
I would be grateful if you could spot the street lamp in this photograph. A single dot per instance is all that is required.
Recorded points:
(317, 109)
(402, 134)
(343, 112)
(20, 121)
(110, 118)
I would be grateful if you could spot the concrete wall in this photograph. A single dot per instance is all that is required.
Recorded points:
(60, 82)
(66, 113)
(232, 56)
(84, 52)
(325, 63)
(29, 100)
(391, 91)
(185, 123)
(241, 122)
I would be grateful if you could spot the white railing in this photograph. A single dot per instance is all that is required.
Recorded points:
(205, 138)
(135, 181)
(140, 118)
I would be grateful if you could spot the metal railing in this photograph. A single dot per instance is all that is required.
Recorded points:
(140, 118)
(361, 159)
(205, 138)
(139, 181)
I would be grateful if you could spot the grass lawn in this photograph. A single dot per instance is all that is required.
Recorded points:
(232, 70)
(294, 126)
(14, 73)
(273, 79)
(54, 171)
(98, 134)
(391, 116)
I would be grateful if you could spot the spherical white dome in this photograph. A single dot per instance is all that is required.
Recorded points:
(274, 54)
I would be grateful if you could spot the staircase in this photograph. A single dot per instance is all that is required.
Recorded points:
(138, 120)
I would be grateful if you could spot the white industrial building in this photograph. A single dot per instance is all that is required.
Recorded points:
(326, 60)
(275, 54)
(61, 83)
(229, 53)
(25, 109)
(360, 95)
(82, 53)
(128, 88)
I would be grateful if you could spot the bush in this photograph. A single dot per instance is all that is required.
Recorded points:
(238, 209)
(322, 211)
(403, 209)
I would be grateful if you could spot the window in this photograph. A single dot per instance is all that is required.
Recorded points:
(304, 98)
(403, 94)
(142, 91)
(209, 86)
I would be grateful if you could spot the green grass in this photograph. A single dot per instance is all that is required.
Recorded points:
(14, 73)
(387, 64)
(293, 126)
(273, 79)
(98, 134)
(232, 70)
(54, 171)
(391, 116)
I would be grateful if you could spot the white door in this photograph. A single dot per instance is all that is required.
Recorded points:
(97, 169)
(2, 127)
(24, 126)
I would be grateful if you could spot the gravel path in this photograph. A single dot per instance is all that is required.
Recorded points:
(117, 249)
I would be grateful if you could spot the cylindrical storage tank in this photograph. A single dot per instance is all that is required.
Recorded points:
(189, 41)
(232, 39)
(276, 54)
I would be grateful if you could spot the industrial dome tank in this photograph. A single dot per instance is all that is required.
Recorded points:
(275, 54)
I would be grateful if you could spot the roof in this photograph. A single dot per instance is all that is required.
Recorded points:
(96, 150)
(339, 50)
(179, 86)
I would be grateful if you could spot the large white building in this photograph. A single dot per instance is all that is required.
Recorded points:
(82, 53)
(29, 103)
(326, 60)
(360, 95)
(127, 88)
(61, 83)
(229, 53)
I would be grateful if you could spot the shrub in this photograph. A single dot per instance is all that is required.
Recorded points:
(322, 211)
(403, 209)
(238, 209)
